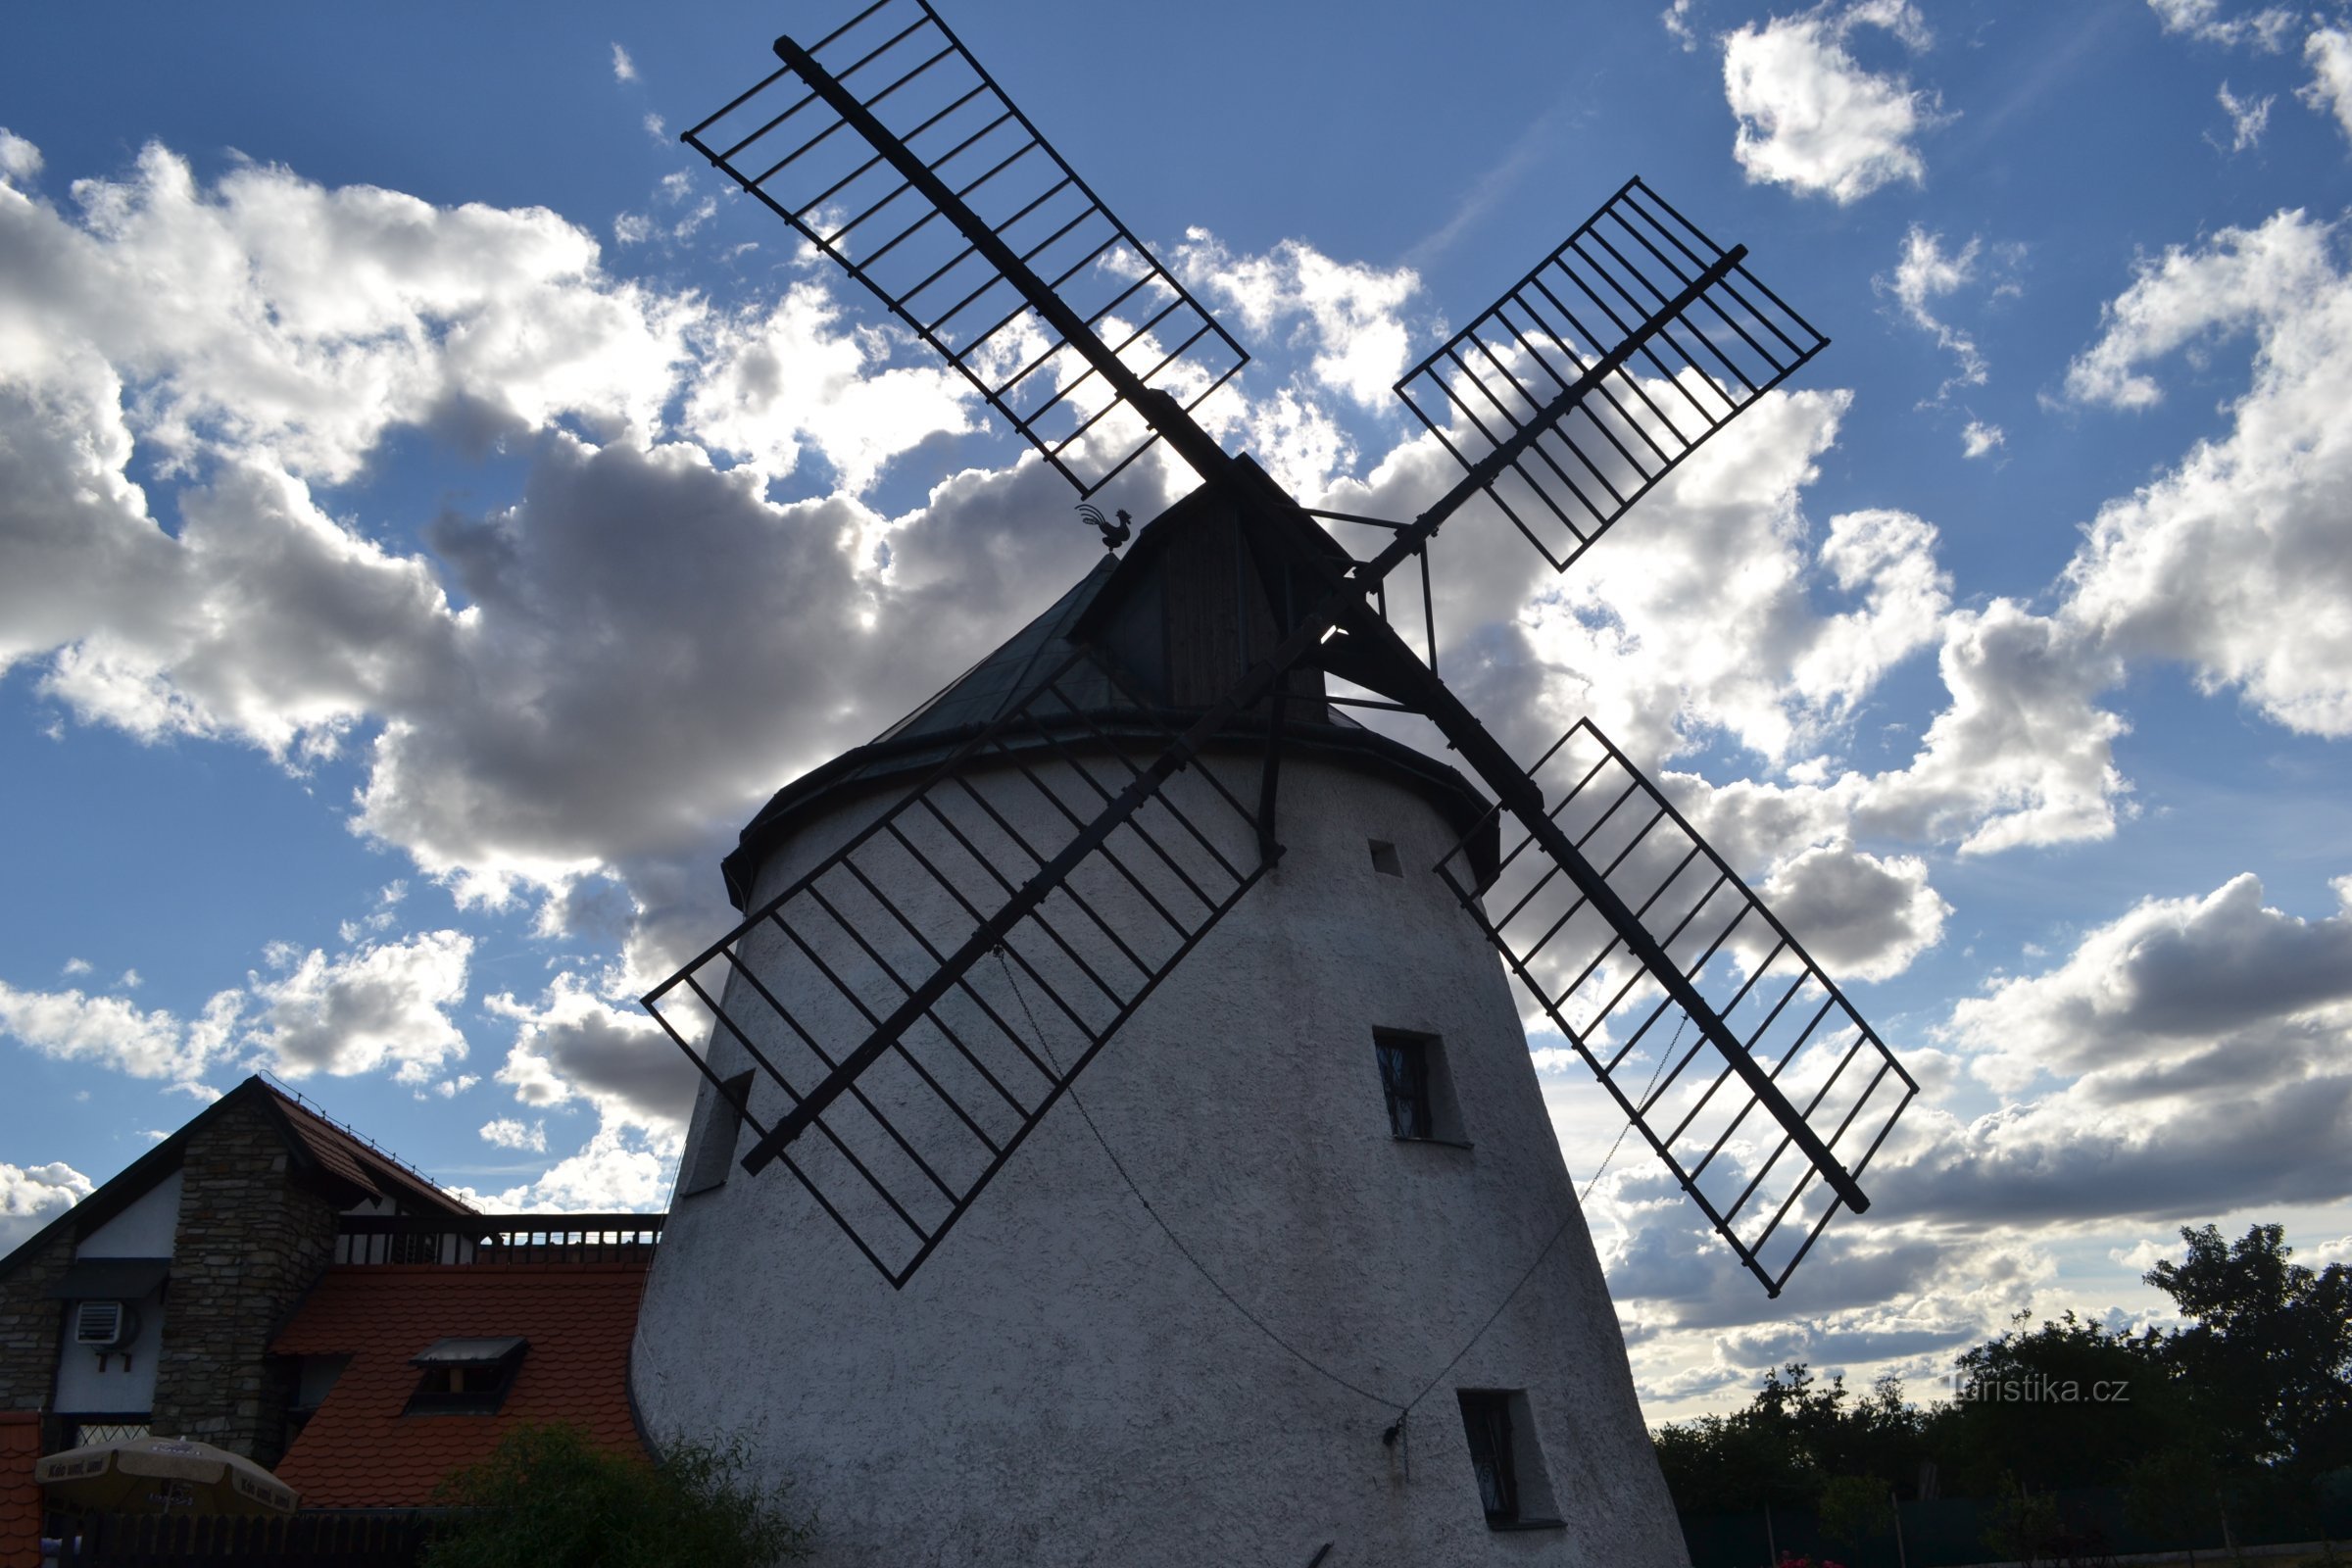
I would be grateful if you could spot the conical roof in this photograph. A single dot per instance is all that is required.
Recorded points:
(1179, 619)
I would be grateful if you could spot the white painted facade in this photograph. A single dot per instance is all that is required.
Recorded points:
(122, 1379)
(1059, 1385)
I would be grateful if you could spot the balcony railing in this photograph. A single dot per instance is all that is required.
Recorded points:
(497, 1239)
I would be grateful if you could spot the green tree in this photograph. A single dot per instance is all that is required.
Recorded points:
(2069, 1404)
(2266, 1360)
(1856, 1510)
(547, 1497)
(1797, 1431)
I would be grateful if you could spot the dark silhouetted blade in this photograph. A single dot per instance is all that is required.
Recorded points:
(1565, 434)
(1678, 1034)
(913, 1003)
(892, 151)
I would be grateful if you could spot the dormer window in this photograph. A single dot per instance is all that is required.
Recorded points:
(466, 1377)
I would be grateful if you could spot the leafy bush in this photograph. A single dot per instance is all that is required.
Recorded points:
(547, 1497)
(1856, 1510)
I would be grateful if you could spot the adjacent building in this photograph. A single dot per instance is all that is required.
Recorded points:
(269, 1280)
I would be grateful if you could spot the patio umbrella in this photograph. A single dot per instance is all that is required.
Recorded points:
(161, 1475)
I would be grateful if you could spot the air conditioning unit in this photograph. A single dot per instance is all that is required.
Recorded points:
(104, 1325)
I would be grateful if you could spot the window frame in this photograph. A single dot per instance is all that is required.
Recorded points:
(1501, 1423)
(1431, 1089)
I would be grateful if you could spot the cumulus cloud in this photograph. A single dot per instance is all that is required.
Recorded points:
(110, 1032)
(2235, 561)
(1979, 439)
(1346, 314)
(616, 1172)
(2158, 988)
(2162, 1065)
(509, 1133)
(575, 1045)
(376, 1006)
(1811, 117)
(2329, 50)
(20, 160)
(30, 1197)
(623, 68)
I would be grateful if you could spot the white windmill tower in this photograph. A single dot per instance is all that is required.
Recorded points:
(1296, 1275)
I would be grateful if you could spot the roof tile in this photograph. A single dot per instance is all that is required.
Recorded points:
(358, 1162)
(359, 1451)
(20, 1497)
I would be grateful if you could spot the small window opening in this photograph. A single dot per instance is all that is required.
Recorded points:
(1417, 1087)
(1404, 1078)
(1384, 859)
(1512, 1485)
(715, 1154)
(466, 1377)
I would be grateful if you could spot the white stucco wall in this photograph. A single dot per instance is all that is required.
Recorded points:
(120, 1381)
(1060, 1386)
(145, 1229)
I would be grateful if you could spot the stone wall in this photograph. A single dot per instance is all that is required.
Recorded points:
(250, 1245)
(28, 1324)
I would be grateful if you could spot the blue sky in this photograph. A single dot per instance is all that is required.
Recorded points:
(435, 514)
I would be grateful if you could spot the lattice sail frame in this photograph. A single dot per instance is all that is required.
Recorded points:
(906, 1150)
(1525, 398)
(1734, 341)
(785, 146)
(1786, 1013)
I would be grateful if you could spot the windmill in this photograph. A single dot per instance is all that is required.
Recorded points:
(945, 929)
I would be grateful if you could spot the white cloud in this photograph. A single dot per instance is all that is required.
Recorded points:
(2330, 52)
(2150, 995)
(1677, 20)
(30, 1197)
(799, 376)
(623, 68)
(2247, 119)
(110, 1032)
(1811, 117)
(2236, 560)
(616, 1172)
(74, 966)
(509, 1133)
(2206, 21)
(384, 1005)
(1350, 314)
(576, 1045)
(1979, 439)
(20, 160)
(1926, 272)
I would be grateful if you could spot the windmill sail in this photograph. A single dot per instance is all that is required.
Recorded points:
(1539, 389)
(1027, 317)
(1721, 340)
(899, 1029)
(1669, 1042)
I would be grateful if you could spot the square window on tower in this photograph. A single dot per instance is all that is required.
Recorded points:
(1418, 1089)
(1513, 1486)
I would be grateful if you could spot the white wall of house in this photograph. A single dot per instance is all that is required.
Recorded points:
(112, 1381)
(122, 1379)
(145, 1229)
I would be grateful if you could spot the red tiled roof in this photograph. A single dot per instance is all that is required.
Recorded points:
(360, 1163)
(20, 1498)
(359, 1451)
